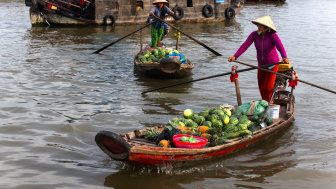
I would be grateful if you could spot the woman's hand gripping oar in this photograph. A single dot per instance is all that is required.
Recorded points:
(283, 75)
(105, 47)
(210, 49)
(218, 75)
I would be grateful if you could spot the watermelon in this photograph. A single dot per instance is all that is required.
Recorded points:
(243, 119)
(146, 55)
(213, 118)
(228, 112)
(218, 112)
(268, 121)
(207, 123)
(212, 131)
(193, 125)
(188, 122)
(241, 126)
(249, 123)
(204, 113)
(230, 129)
(237, 112)
(254, 118)
(212, 110)
(225, 119)
(217, 125)
(199, 119)
(233, 121)
(255, 127)
(188, 114)
(143, 59)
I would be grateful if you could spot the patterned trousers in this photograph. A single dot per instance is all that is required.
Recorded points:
(156, 34)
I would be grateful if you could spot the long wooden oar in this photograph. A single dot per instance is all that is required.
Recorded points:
(218, 75)
(99, 50)
(210, 49)
(285, 76)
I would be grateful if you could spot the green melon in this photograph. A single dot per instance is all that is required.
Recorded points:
(204, 113)
(233, 121)
(212, 110)
(243, 119)
(241, 126)
(228, 112)
(219, 112)
(213, 118)
(237, 112)
(207, 123)
(225, 119)
(254, 118)
(217, 125)
(188, 114)
(199, 119)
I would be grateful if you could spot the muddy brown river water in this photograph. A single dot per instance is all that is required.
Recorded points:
(56, 95)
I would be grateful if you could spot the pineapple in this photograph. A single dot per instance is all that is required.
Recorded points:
(151, 134)
(203, 129)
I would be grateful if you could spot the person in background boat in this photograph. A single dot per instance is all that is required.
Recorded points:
(266, 42)
(157, 29)
(165, 31)
(165, 27)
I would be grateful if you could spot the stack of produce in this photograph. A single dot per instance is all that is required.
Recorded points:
(154, 55)
(217, 124)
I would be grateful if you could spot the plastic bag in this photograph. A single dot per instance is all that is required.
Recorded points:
(259, 108)
(183, 59)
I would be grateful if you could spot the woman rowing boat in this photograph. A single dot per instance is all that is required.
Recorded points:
(157, 28)
(266, 42)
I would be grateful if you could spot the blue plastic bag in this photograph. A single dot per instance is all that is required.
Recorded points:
(183, 59)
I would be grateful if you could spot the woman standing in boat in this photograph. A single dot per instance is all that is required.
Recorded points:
(157, 29)
(266, 42)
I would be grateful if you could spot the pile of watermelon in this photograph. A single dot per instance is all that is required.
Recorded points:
(154, 55)
(218, 124)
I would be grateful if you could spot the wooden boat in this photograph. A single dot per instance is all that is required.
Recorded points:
(131, 147)
(167, 68)
(121, 12)
(134, 148)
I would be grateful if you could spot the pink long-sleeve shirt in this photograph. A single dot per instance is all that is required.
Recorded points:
(266, 48)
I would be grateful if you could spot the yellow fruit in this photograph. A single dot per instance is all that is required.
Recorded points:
(164, 144)
(203, 129)
(226, 119)
(183, 128)
(181, 124)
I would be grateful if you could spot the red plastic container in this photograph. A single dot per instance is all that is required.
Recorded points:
(179, 144)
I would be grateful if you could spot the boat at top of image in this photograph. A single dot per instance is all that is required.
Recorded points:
(162, 63)
(118, 12)
(213, 133)
(265, 0)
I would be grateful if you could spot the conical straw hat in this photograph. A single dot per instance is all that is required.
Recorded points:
(266, 21)
(160, 1)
